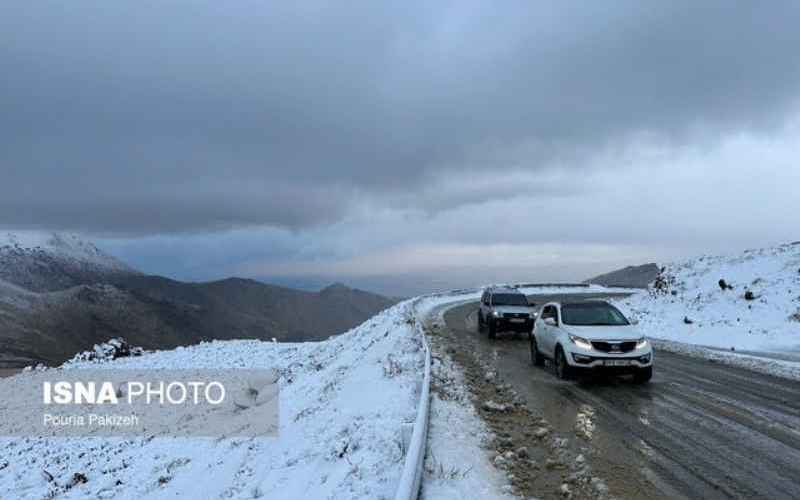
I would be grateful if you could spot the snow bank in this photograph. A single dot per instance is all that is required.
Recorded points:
(693, 308)
(343, 403)
(457, 465)
(784, 365)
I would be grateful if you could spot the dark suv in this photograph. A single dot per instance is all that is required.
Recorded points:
(504, 309)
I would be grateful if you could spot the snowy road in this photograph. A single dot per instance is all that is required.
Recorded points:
(698, 430)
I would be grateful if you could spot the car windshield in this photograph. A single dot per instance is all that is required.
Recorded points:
(509, 299)
(592, 314)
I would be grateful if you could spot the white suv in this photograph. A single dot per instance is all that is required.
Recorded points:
(587, 337)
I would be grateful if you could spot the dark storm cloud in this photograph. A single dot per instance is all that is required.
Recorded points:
(153, 117)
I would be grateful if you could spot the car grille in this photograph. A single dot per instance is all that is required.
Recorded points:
(614, 346)
(515, 315)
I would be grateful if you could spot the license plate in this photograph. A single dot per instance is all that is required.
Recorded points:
(616, 362)
(518, 320)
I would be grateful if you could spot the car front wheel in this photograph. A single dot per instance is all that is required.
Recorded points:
(536, 357)
(492, 327)
(563, 370)
(643, 376)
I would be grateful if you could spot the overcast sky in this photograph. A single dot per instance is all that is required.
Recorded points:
(401, 146)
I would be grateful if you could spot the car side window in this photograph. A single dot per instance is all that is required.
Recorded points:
(550, 312)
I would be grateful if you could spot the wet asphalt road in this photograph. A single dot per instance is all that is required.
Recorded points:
(698, 430)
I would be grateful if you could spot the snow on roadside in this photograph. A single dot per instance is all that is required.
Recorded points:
(342, 404)
(742, 310)
(457, 465)
(762, 362)
(759, 309)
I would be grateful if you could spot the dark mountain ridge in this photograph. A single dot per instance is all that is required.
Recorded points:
(55, 302)
(628, 277)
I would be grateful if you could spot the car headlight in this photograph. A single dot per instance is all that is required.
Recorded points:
(496, 314)
(580, 342)
(641, 343)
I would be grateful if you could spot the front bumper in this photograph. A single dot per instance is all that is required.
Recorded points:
(617, 364)
(608, 370)
(507, 324)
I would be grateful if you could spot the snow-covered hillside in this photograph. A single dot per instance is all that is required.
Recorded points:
(63, 245)
(41, 261)
(758, 309)
(342, 403)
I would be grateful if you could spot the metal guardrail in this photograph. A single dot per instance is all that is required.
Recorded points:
(411, 479)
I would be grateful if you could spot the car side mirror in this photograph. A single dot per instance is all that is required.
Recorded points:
(550, 322)
(633, 321)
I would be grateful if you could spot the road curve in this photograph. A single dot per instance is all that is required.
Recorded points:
(698, 430)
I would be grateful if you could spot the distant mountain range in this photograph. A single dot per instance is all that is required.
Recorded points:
(628, 277)
(60, 294)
